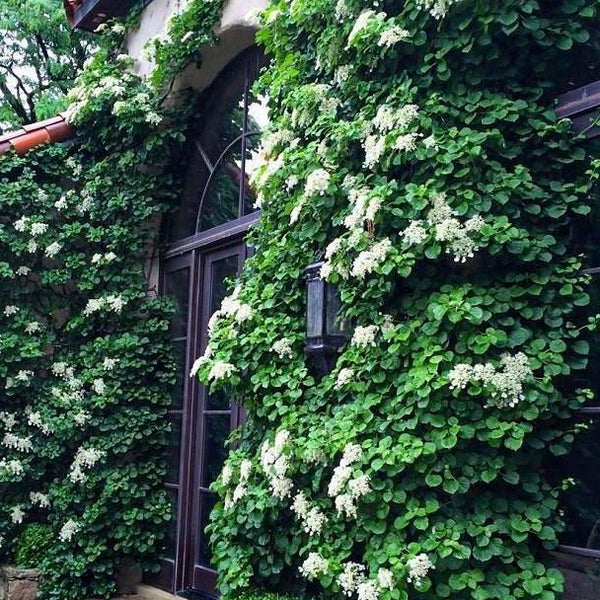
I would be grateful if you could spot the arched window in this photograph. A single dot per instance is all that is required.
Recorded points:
(206, 251)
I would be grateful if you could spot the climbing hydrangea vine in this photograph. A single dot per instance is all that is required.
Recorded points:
(86, 366)
(414, 149)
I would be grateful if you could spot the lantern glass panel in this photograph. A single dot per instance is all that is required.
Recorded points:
(314, 308)
(335, 323)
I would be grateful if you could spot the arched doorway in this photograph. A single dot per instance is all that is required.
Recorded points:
(206, 250)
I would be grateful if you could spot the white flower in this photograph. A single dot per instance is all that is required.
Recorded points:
(60, 204)
(345, 505)
(352, 453)
(414, 234)
(99, 386)
(341, 10)
(300, 505)
(359, 486)
(437, 8)
(32, 327)
(96, 258)
(385, 578)
(238, 493)
(220, 370)
(9, 420)
(368, 260)
(406, 142)
(352, 575)
(393, 35)
(281, 487)
(82, 417)
(53, 249)
(430, 142)
(39, 499)
(85, 458)
(198, 364)
(16, 514)
(317, 183)
(21, 224)
(109, 363)
(340, 477)
(374, 146)
(364, 336)
(68, 530)
(38, 228)
(418, 568)
(245, 470)
(344, 376)
(20, 444)
(313, 566)
(23, 271)
(35, 420)
(32, 246)
(12, 467)
(314, 521)
(10, 310)
(282, 348)
(244, 313)
(367, 590)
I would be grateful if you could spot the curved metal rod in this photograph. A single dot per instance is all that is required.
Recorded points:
(214, 170)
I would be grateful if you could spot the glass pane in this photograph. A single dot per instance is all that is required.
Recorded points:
(172, 529)
(174, 448)
(314, 308)
(177, 286)
(179, 348)
(216, 430)
(581, 504)
(182, 223)
(222, 198)
(217, 400)
(207, 502)
(221, 272)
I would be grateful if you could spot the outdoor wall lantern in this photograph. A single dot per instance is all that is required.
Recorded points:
(325, 331)
(88, 14)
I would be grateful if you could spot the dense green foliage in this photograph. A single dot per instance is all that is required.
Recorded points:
(86, 363)
(420, 154)
(40, 56)
(36, 540)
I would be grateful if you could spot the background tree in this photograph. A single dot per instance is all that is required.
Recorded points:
(39, 59)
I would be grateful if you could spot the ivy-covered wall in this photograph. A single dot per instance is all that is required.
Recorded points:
(414, 148)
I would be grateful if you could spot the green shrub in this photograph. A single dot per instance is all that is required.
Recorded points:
(35, 541)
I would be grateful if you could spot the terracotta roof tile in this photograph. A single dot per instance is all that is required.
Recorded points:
(51, 130)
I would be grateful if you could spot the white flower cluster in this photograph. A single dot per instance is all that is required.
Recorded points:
(231, 306)
(449, 229)
(362, 21)
(437, 8)
(68, 530)
(368, 260)
(17, 514)
(35, 420)
(353, 579)
(364, 336)
(22, 376)
(241, 488)
(275, 465)
(342, 488)
(506, 384)
(317, 183)
(282, 348)
(85, 458)
(12, 468)
(392, 35)
(15, 442)
(33, 327)
(8, 419)
(344, 376)
(312, 519)
(418, 568)
(39, 499)
(220, 370)
(313, 566)
(10, 310)
(103, 258)
(387, 119)
(364, 208)
(201, 360)
(111, 302)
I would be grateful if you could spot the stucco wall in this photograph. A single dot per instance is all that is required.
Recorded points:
(236, 32)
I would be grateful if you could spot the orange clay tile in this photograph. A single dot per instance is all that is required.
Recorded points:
(51, 130)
